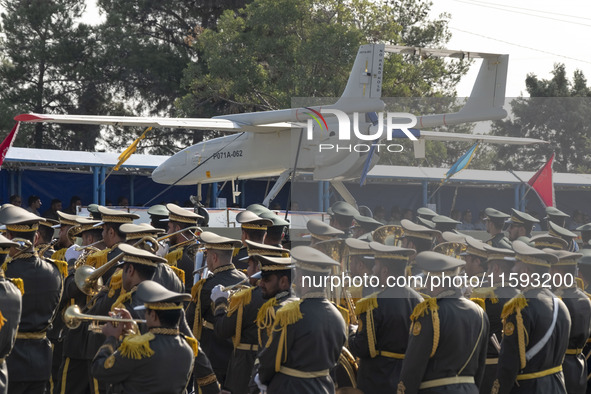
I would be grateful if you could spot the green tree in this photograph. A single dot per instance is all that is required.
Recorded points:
(46, 61)
(559, 112)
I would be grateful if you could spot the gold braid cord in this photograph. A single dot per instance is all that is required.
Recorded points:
(420, 311)
(515, 305)
(196, 298)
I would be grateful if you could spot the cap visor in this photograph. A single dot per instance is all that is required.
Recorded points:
(258, 275)
(139, 308)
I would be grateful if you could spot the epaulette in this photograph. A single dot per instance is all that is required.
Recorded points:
(420, 311)
(288, 314)
(61, 265)
(479, 301)
(60, 254)
(179, 272)
(366, 304)
(116, 282)
(98, 259)
(516, 305)
(173, 257)
(123, 298)
(18, 282)
(196, 298)
(344, 314)
(193, 343)
(237, 302)
(484, 293)
(240, 299)
(137, 347)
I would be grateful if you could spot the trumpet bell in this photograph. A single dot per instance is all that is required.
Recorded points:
(333, 248)
(453, 249)
(84, 281)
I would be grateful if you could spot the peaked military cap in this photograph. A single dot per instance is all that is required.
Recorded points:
(181, 215)
(531, 255)
(131, 254)
(250, 220)
(256, 248)
(214, 241)
(367, 222)
(93, 210)
(321, 230)
(436, 262)
(276, 219)
(18, 219)
(388, 252)
(258, 209)
(426, 213)
(450, 236)
(519, 217)
(50, 223)
(495, 215)
(542, 241)
(158, 210)
(357, 247)
(310, 259)
(414, 230)
(585, 260)
(426, 222)
(155, 296)
(85, 224)
(564, 257)
(499, 253)
(444, 223)
(109, 215)
(475, 247)
(67, 219)
(557, 231)
(553, 211)
(6, 243)
(271, 263)
(137, 231)
(584, 227)
(342, 208)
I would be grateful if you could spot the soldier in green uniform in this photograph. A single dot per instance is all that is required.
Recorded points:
(276, 232)
(492, 296)
(66, 222)
(10, 315)
(159, 361)
(183, 245)
(426, 213)
(200, 313)
(520, 226)
(29, 363)
(445, 223)
(236, 318)
(158, 217)
(308, 335)
(536, 326)
(556, 216)
(448, 338)
(579, 307)
(381, 338)
(364, 225)
(495, 221)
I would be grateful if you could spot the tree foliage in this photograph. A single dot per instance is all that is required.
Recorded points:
(559, 112)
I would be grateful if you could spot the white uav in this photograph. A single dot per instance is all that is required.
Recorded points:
(261, 147)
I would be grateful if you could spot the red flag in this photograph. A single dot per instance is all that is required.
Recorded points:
(7, 143)
(542, 183)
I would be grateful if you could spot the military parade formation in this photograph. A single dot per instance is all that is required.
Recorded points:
(113, 306)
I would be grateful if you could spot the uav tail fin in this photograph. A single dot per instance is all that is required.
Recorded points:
(365, 80)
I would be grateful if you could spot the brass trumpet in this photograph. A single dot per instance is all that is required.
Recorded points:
(73, 317)
(88, 279)
(388, 235)
(234, 286)
(162, 238)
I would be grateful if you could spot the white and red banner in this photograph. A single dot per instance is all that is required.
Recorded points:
(7, 143)
(542, 183)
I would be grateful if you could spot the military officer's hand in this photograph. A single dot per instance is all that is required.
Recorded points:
(352, 328)
(217, 293)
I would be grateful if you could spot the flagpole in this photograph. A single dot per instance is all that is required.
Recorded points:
(529, 187)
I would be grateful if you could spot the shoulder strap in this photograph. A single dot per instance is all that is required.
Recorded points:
(538, 346)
